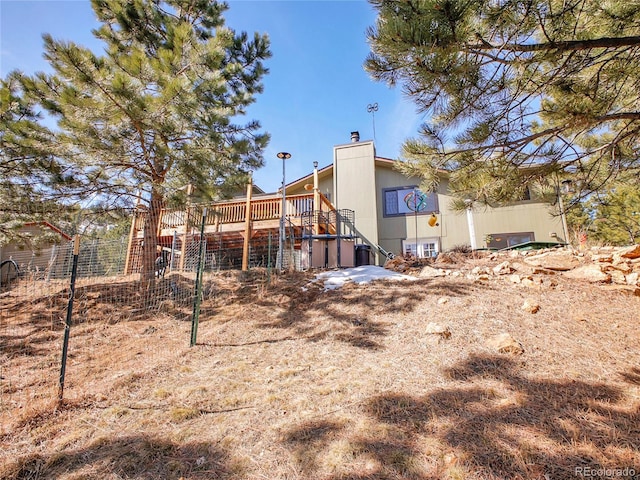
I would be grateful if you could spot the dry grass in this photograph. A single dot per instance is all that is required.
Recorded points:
(292, 383)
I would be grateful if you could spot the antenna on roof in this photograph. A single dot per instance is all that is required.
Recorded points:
(372, 108)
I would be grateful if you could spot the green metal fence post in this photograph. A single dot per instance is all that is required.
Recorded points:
(198, 286)
(67, 325)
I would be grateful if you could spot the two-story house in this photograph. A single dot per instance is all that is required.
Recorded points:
(391, 212)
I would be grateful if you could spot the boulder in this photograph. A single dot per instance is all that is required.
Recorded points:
(437, 329)
(505, 343)
(480, 270)
(591, 273)
(530, 306)
(630, 290)
(525, 269)
(503, 268)
(633, 279)
(602, 257)
(617, 277)
(560, 261)
(629, 252)
(430, 272)
(483, 277)
(623, 267)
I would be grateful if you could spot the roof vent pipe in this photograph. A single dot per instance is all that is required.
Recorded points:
(355, 137)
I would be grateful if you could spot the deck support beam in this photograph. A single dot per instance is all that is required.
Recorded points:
(247, 227)
(316, 200)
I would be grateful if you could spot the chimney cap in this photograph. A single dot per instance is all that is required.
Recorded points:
(355, 136)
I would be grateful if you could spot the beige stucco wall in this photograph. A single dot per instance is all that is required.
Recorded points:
(452, 228)
(325, 185)
(354, 185)
(357, 182)
(522, 217)
(392, 230)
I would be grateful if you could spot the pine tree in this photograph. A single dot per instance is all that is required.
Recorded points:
(616, 218)
(548, 84)
(158, 109)
(28, 170)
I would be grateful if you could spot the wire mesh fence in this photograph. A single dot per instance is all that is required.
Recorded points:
(110, 305)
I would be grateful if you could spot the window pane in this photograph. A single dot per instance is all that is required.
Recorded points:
(406, 201)
(391, 202)
(429, 250)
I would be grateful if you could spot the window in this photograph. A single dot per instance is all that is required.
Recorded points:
(410, 249)
(429, 250)
(408, 201)
(426, 247)
(504, 240)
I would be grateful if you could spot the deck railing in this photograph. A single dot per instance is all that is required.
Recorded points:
(234, 211)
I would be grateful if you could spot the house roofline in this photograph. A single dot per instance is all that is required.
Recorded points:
(309, 176)
(380, 161)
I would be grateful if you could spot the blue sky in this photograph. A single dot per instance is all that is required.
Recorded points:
(316, 93)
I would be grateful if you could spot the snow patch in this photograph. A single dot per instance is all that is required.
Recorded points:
(364, 274)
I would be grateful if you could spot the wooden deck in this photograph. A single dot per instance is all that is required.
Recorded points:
(231, 216)
(234, 224)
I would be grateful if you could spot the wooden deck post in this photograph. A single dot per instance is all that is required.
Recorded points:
(247, 227)
(316, 200)
(132, 235)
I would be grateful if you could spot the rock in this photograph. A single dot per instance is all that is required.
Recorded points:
(443, 300)
(530, 306)
(479, 271)
(527, 282)
(524, 268)
(503, 268)
(629, 252)
(430, 272)
(630, 290)
(603, 257)
(632, 278)
(437, 329)
(624, 267)
(478, 278)
(618, 277)
(590, 273)
(515, 278)
(560, 261)
(505, 343)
